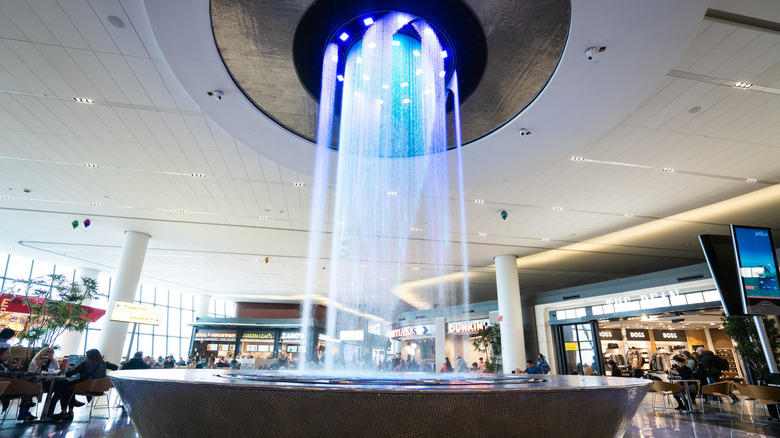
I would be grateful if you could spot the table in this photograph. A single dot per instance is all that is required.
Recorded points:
(53, 378)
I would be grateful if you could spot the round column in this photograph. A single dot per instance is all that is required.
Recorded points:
(69, 341)
(202, 309)
(510, 313)
(125, 285)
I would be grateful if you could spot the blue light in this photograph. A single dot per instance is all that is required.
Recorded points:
(368, 21)
(340, 78)
(443, 53)
(344, 36)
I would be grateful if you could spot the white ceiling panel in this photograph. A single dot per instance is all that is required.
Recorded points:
(58, 23)
(123, 75)
(89, 26)
(28, 22)
(125, 38)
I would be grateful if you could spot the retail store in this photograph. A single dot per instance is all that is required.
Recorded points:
(639, 331)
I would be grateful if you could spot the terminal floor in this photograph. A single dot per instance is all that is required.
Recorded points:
(646, 423)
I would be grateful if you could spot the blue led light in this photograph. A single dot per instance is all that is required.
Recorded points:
(344, 36)
(368, 21)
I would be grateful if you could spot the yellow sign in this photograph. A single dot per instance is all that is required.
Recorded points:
(136, 313)
(571, 346)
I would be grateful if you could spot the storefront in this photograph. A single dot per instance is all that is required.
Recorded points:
(640, 331)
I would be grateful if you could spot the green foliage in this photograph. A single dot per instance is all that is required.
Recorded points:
(56, 306)
(488, 341)
(743, 331)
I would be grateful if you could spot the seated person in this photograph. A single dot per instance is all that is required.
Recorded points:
(614, 369)
(531, 368)
(137, 362)
(5, 371)
(93, 367)
(683, 372)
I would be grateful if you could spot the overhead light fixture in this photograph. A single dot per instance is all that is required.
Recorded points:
(392, 193)
(298, 184)
(380, 101)
(418, 72)
(406, 100)
(574, 158)
(443, 53)
(416, 53)
(751, 180)
(198, 175)
(415, 268)
(372, 45)
(90, 165)
(404, 84)
(669, 169)
(414, 229)
(96, 204)
(743, 85)
(5, 197)
(340, 78)
(483, 234)
(629, 215)
(479, 201)
(83, 100)
(334, 58)
(181, 211)
(557, 208)
(546, 239)
(396, 43)
(264, 218)
(368, 21)
(358, 60)
(344, 36)
(442, 74)
(385, 86)
(428, 31)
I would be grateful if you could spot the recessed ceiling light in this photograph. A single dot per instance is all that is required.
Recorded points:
(96, 204)
(5, 197)
(669, 169)
(414, 229)
(751, 180)
(392, 193)
(743, 85)
(418, 72)
(557, 208)
(576, 158)
(629, 215)
(404, 84)
(443, 53)
(546, 239)
(396, 43)
(368, 21)
(83, 100)
(265, 218)
(415, 268)
(479, 201)
(340, 78)
(198, 175)
(116, 21)
(90, 165)
(416, 53)
(298, 184)
(406, 100)
(442, 74)
(483, 234)
(344, 36)
(181, 211)
(254, 260)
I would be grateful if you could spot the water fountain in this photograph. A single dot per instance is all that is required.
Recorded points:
(383, 78)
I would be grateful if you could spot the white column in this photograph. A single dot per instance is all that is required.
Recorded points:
(69, 341)
(202, 309)
(439, 342)
(510, 313)
(125, 285)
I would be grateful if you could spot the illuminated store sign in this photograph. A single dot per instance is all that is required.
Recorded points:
(670, 336)
(351, 335)
(209, 336)
(418, 330)
(467, 326)
(292, 336)
(637, 335)
(257, 336)
(661, 298)
(610, 335)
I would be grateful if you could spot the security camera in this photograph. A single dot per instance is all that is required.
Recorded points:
(216, 94)
(591, 52)
(504, 214)
(525, 132)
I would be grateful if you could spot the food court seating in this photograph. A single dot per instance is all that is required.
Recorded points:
(18, 389)
(666, 390)
(762, 395)
(717, 390)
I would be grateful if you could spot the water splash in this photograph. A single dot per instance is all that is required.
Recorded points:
(392, 196)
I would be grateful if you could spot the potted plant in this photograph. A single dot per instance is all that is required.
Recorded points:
(488, 341)
(56, 306)
(742, 330)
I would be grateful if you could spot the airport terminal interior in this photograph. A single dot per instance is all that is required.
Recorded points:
(348, 197)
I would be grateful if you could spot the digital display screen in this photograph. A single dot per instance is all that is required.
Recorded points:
(757, 265)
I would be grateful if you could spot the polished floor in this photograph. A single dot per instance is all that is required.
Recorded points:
(646, 423)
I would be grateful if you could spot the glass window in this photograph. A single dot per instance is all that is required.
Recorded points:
(160, 346)
(144, 344)
(43, 269)
(18, 269)
(174, 322)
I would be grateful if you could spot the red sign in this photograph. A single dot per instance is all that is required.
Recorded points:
(18, 304)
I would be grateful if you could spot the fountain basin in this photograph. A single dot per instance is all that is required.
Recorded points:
(204, 403)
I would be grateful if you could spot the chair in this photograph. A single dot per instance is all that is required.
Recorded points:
(716, 390)
(93, 388)
(763, 395)
(665, 390)
(16, 390)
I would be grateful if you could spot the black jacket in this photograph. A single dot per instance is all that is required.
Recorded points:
(136, 364)
(89, 370)
(706, 366)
